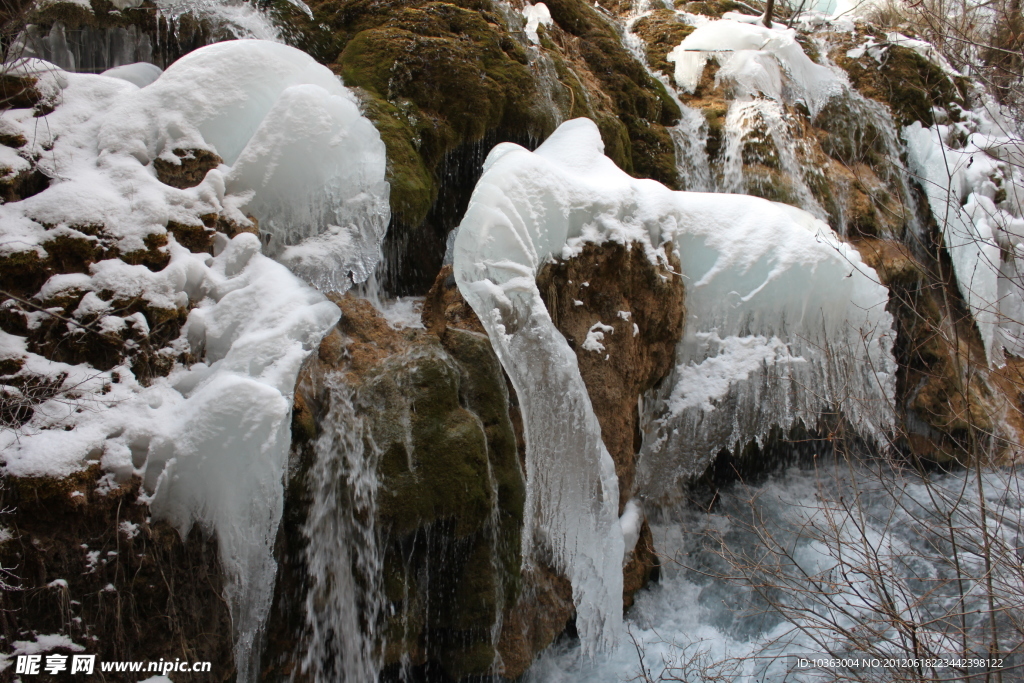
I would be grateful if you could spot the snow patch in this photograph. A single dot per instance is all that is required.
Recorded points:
(756, 61)
(536, 16)
(595, 335)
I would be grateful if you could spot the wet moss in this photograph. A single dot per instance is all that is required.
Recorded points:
(444, 474)
(661, 32)
(910, 84)
(770, 183)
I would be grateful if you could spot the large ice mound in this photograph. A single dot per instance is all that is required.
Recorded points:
(784, 321)
(292, 135)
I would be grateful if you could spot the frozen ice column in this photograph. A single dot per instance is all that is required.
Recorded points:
(524, 208)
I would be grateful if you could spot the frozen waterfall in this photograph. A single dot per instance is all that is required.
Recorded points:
(784, 321)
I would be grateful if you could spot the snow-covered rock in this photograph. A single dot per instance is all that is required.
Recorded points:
(756, 61)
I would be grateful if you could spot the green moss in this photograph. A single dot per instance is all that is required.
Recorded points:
(22, 272)
(636, 97)
(72, 254)
(770, 183)
(852, 134)
(757, 147)
(482, 390)
(437, 76)
(444, 474)
(910, 84)
(441, 420)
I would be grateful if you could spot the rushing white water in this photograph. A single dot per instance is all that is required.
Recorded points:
(703, 621)
(343, 604)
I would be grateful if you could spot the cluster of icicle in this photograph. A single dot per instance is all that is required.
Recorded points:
(783, 322)
(971, 172)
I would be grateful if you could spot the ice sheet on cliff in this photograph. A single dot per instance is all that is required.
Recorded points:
(783, 322)
(210, 439)
(975, 190)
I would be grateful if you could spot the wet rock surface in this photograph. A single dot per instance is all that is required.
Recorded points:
(450, 493)
(82, 558)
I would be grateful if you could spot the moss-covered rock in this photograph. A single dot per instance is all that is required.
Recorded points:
(661, 31)
(908, 83)
(952, 407)
(445, 81)
(451, 490)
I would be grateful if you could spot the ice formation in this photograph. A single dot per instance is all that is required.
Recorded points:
(139, 73)
(975, 191)
(756, 60)
(784, 322)
(785, 319)
(524, 208)
(536, 16)
(93, 49)
(293, 135)
(210, 439)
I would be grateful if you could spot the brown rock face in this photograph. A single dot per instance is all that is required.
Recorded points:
(617, 286)
(191, 167)
(86, 562)
(949, 402)
(641, 305)
(544, 607)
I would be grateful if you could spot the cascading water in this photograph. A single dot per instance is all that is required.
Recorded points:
(175, 28)
(343, 603)
(690, 134)
(757, 133)
(822, 528)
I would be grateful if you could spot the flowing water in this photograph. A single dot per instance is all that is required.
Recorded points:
(846, 556)
(343, 603)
